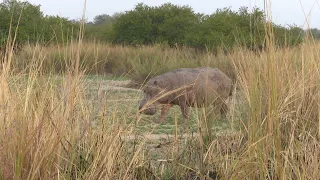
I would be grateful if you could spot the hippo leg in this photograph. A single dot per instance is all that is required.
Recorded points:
(224, 110)
(164, 112)
(185, 114)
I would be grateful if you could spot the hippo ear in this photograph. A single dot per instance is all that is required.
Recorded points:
(155, 82)
(159, 83)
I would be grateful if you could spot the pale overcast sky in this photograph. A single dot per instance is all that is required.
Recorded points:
(283, 11)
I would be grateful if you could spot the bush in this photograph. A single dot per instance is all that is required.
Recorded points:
(31, 25)
(180, 26)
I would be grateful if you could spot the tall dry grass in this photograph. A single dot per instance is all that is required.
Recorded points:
(47, 127)
(282, 90)
(137, 63)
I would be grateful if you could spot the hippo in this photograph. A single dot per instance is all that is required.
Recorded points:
(186, 87)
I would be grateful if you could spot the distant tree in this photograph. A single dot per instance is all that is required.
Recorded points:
(173, 23)
(22, 15)
(103, 18)
(56, 29)
(296, 35)
(167, 23)
(315, 33)
(101, 28)
(31, 25)
(147, 25)
(134, 27)
(226, 28)
(288, 36)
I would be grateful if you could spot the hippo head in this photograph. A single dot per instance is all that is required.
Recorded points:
(148, 105)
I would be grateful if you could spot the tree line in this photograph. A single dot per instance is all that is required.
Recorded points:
(169, 24)
(32, 26)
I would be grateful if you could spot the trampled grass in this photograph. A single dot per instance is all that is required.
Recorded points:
(122, 101)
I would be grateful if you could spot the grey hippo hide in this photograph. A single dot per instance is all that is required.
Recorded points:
(186, 87)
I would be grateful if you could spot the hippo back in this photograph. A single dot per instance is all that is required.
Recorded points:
(204, 85)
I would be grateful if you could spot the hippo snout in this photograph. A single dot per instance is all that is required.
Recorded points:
(142, 103)
(150, 110)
